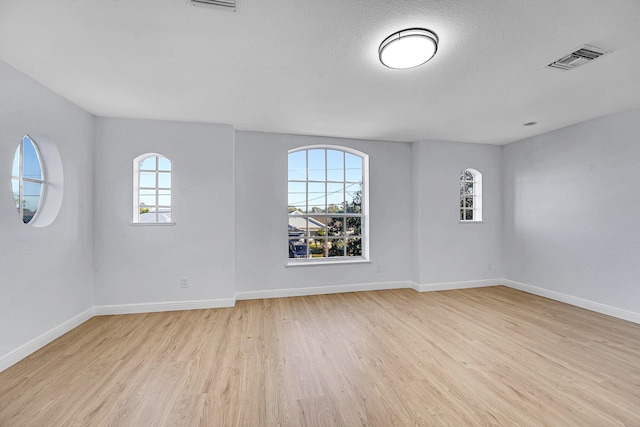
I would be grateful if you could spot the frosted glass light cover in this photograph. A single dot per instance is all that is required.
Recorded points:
(408, 48)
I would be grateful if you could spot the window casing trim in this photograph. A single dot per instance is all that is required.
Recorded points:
(137, 162)
(365, 210)
(22, 179)
(477, 197)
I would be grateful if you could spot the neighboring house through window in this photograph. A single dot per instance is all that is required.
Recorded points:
(152, 189)
(327, 203)
(470, 196)
(28, 179)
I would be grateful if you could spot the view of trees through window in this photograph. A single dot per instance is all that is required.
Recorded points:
(325, 203)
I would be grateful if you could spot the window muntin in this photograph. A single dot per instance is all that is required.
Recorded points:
(470, 196)
(152, 192)
(28, 179)
(327, 203)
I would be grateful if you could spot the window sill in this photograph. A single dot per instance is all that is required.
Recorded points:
(470, 222)
(305, 262)
(151, 224)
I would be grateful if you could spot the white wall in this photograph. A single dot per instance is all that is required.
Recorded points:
(144, 264)
(560, 213)
(261, 215)
(445, 250)
(572, 211)
(46, 273)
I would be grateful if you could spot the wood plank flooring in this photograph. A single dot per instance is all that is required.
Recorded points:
(489, 356)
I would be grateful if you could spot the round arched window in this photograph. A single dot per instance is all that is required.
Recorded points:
(28, 179)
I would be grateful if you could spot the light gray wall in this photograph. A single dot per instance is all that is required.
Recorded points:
(141, 264)
(46, 274)
(445, 250)
(261, 215)
(571, 210)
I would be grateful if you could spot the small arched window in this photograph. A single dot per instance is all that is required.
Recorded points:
(470, 195)
(28, 179)
(327, 203)
(151, 189)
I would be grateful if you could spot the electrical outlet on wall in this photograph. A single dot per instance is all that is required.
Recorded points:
(184, 282)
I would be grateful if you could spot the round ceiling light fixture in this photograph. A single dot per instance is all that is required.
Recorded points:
(408, 48)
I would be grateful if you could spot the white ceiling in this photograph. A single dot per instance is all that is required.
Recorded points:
(311, 66)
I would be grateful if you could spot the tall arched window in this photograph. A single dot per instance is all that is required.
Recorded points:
(327, 203)
(151, 189)
(28, 179)
(470, 195)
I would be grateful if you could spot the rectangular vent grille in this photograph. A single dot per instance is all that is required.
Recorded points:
(575, 59)
(225, 4)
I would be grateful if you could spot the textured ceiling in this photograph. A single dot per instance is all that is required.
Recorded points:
(311, 67)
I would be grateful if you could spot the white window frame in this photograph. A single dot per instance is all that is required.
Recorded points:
(136, 189)
(476, 197)
(22, 179)
(364, 215)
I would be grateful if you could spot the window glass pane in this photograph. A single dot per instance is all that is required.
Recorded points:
(30, 199)
(317, 226)
(354, 202)
(354, 168)
(298, 166)
(335, 196)
(336, 247)
(164, 179)
(468, 176)
(148, 164)
(335, 226)
(335, 165)
(316, 165)
(297, 226)
(468, 214)
(148, 179)
(164, 164)
(318, 247)
(468, 202)
(164, 215)
(353, 226)
(300, 248)
(297, 196)
(30, 161)
(164, 198)
(147, 215)
(354, 247)
(15, 186)
(148, 200)
(317, 197)
(468, 188)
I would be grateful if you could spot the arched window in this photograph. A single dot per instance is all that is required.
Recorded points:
(327, 203)
(151, 189)
(470, 195)
(28, 179)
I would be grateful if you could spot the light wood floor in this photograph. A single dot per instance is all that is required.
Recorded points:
(490, 356)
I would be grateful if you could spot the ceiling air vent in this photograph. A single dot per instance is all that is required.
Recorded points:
(580, 57)
(223, 4)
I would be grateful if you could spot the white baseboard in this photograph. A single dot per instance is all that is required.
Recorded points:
(37, 343)
(153, 307)
(578, 302)
(26, 349)
(321, 290)
(451, 286)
